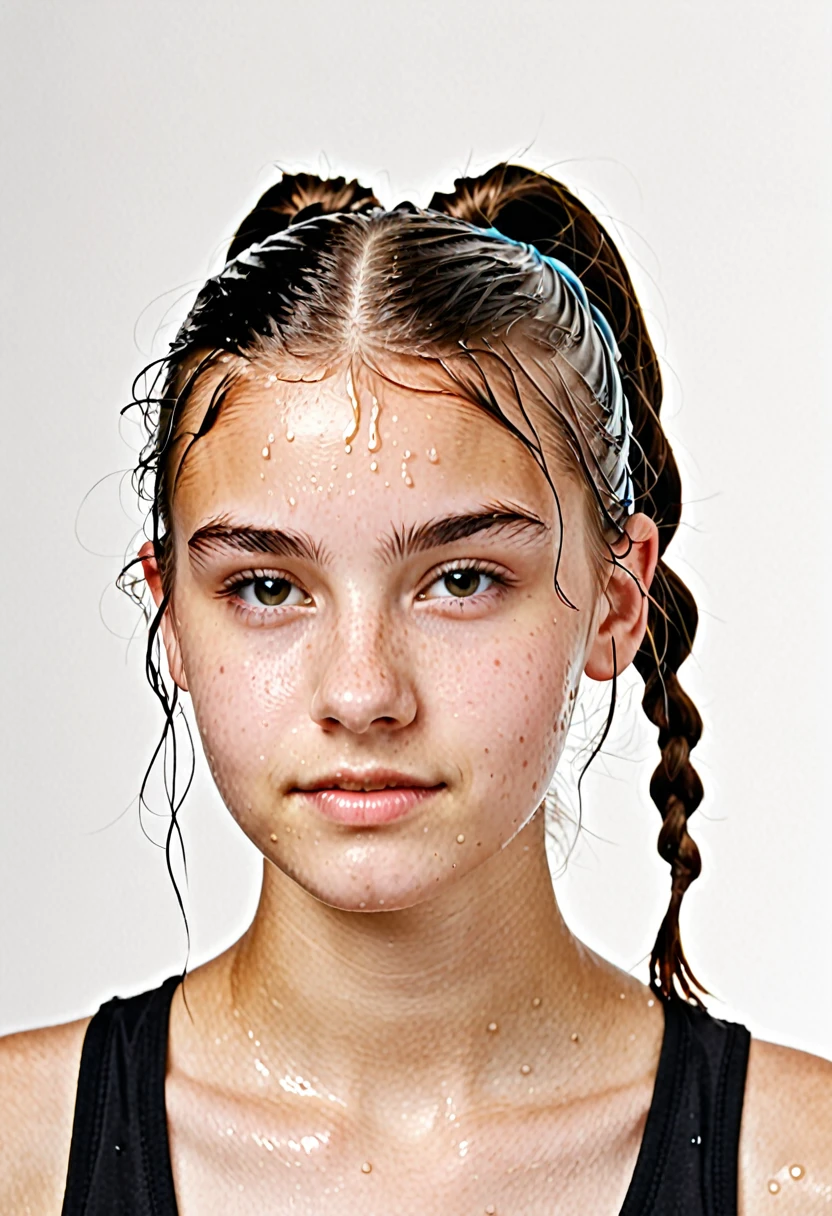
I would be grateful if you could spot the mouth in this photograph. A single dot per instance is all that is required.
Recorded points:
(367, 782)
(367, 799)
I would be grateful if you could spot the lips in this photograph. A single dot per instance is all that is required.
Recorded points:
(368, 799)
(368, 781)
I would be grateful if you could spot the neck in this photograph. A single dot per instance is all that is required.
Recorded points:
(475, 997)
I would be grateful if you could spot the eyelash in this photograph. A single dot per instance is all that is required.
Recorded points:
(500, 581)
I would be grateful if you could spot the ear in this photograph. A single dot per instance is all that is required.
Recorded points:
(170, 638)
(624, 601)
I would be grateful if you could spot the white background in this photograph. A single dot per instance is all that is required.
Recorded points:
(136, 135)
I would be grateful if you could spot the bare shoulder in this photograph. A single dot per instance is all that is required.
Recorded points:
(38, 1079)
(786, 1136)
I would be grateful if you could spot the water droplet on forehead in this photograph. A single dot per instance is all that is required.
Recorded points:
(351, 429)
(492, 1028)
(271, 437)
(374, 442)
(796, 1171)
(266, 453)
(290, 435)
(433, 456)
(460, 839)
(525, 1069)
(773, 1186)
(366, 1168)
(536, 1002)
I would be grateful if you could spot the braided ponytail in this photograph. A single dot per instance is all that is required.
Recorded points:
(534, 208)
(298, 197)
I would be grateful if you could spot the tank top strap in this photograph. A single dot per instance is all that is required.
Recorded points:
(688, 1161)
(119, 1158)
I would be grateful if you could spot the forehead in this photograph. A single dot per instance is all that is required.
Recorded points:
(354, 447)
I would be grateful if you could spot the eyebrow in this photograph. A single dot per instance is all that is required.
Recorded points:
(399, 543)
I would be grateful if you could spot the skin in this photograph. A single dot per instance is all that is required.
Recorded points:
(350, 1024)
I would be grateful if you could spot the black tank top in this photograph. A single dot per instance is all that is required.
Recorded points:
(119, 1162)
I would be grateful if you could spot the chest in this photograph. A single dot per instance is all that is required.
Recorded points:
(548, 1162)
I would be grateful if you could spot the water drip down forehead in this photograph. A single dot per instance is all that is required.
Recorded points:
(411, 282)
(310, 431)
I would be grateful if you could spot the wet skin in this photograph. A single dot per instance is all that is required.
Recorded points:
(408, 1025)
(454, 662)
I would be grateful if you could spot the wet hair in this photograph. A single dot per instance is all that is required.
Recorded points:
(320, 272)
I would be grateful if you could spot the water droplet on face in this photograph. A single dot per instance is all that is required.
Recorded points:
(292, 502)
(650, 1003)
(273, 836)
(351, 430)
(536, 1002)
(290, 435)
(773, 1186)
(374, 442)
(796, 1171)
(574, 1036)
(366, 1168)
(266, 452)
(362, 904)
(271, 438)
(373, 466)
(490, 1210)
(492, 1027)
(525, 1069)
(460, 839)
(408, 480)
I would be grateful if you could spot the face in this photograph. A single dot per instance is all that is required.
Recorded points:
(376, 611)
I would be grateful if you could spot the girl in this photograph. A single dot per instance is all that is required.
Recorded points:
(408, 482)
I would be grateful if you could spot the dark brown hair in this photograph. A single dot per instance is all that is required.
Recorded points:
(318, 262)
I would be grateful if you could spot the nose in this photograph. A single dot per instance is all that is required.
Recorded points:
(363, 680)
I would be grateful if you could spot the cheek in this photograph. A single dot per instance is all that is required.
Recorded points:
(507, 705)
(245, 698)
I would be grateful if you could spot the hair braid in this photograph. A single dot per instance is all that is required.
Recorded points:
(532, 207)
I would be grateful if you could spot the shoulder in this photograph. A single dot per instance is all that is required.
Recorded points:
(785, 1141)
(38, 1079)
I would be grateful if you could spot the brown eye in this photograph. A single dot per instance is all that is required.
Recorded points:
(271, 591)
(462, 582)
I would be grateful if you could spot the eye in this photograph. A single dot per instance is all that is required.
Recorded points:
(268, 591)
(461, 583)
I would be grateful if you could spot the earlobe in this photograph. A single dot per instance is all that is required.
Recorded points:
(167, 628)
(624, 617)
